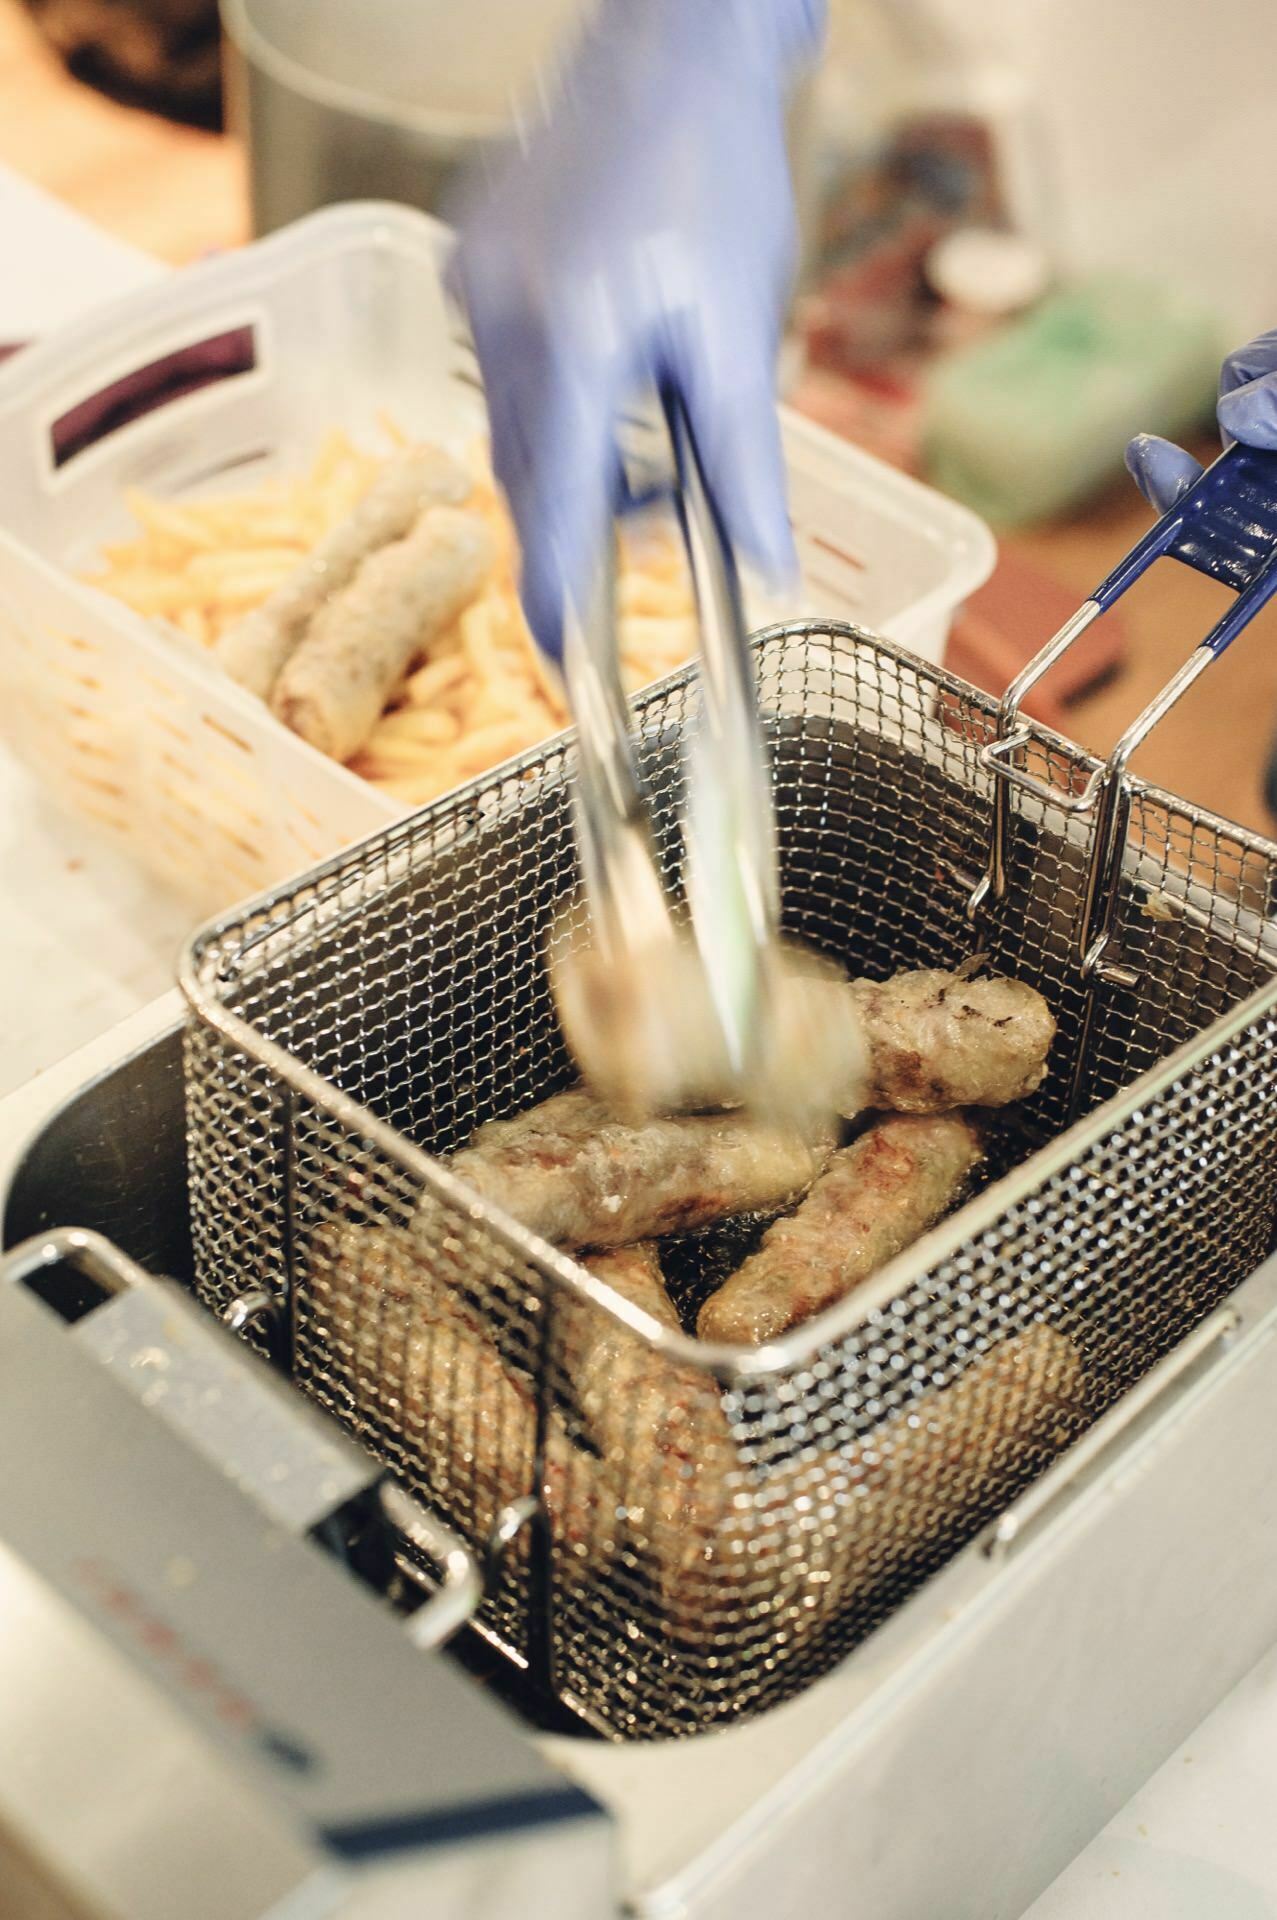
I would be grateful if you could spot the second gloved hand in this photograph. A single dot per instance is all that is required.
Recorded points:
(1247, 412)
(644, 237)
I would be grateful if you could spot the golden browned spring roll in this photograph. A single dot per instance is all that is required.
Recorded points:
(815, 1535)
(580, 1178)
(417, 1360)
(922, 1042)
(874, 1199)
(937, 1040)
(599, 1348)
(359, 645)
(658, 1423)
(254, 650)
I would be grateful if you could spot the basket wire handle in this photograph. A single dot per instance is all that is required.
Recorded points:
(1225, 526)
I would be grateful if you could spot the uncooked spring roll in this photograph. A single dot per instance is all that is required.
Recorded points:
(874, 1199)
(255, 649)
(333, 688)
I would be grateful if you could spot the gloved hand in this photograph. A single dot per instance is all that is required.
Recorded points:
(644, 236)
(1247, 411)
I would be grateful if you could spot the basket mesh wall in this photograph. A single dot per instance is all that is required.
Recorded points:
(714, 1543)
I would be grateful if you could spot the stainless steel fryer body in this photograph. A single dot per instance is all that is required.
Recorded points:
(961, 1757)
(195, 1668)
(963, 1754)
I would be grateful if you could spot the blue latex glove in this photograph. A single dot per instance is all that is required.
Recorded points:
(644, 236)
(1247, 412)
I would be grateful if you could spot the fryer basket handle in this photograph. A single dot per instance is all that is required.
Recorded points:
(1224, 526)
(447, 1607)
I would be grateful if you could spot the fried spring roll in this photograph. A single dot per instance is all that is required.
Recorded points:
(659, 1425)
(648, 1040)
(817, 1534)
(936, 1040)
(922, 1042)
(255, 649)
(874, 1199)
(417, 1359)
(635, 1273)
(335, 684)
(578, 1177)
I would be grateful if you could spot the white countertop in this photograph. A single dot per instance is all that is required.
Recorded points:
(88, 940)
(1199, 1842)
(87, 937)
(56, 266)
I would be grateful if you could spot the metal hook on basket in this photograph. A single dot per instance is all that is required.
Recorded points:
(1225, 527)
(256, 1311)
(450, 1604)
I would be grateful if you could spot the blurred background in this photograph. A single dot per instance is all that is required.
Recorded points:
(1030, 228)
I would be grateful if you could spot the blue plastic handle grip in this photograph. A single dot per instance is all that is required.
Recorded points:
(1226, 527)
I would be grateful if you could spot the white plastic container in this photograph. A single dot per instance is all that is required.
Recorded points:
(331, 322)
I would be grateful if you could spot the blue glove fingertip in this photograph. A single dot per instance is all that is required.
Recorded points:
(1249, 413)
(560, 542)
(1162, 471)
(1251, 362)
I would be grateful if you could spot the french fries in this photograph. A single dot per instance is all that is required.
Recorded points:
(477, 693)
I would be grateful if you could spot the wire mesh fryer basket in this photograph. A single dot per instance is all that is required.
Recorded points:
(722, 1526)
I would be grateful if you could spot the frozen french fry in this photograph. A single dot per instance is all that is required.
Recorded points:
(181, 526)
(415, 726)
(435, 678)
(473, 689)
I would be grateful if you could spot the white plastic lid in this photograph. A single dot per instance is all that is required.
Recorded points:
(985, 271)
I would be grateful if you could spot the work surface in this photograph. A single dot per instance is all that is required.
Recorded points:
(86, 940)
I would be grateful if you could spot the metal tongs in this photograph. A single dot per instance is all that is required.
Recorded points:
(658, 1020)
